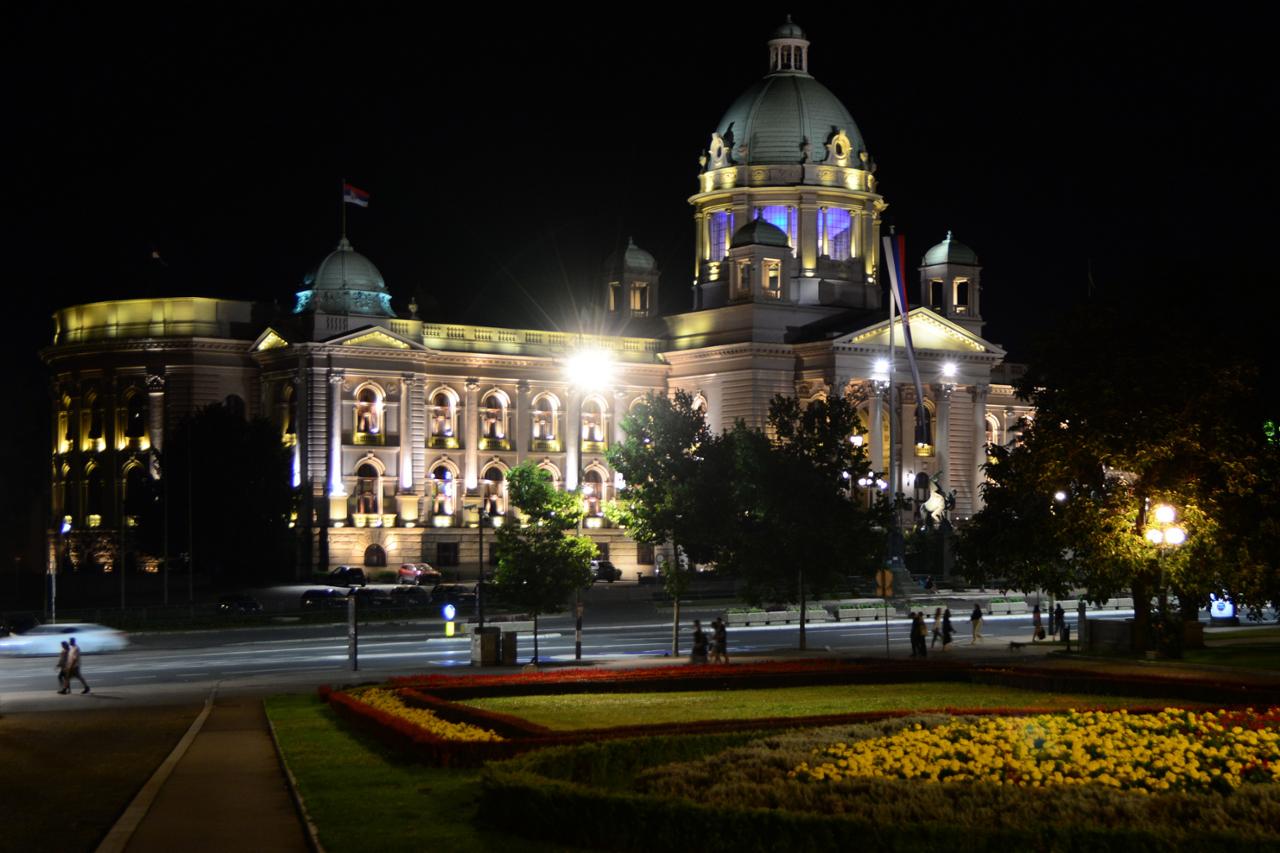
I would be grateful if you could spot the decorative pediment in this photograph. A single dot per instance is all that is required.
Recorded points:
(269, 339)
(929, 331)
(374, 337)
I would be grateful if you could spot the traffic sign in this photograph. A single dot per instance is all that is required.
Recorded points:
(884, 583)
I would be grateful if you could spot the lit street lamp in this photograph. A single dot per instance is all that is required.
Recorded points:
(1164, 534)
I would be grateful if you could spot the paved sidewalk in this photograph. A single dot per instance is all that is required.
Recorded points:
(226, 792)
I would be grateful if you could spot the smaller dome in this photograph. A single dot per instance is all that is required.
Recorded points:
(759, 232)
(632, 259)
(950, 251)
(788, 30)
(345, 269)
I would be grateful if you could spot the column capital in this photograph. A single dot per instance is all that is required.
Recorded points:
(336, 376)
(523, 386)
(155, 383)
(472, 383)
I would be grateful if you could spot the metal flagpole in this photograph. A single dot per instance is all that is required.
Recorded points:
(342, 202)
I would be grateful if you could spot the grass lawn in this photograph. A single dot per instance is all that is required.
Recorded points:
(1255, 655)
(69, 775)
(600, 710)
(361, 796)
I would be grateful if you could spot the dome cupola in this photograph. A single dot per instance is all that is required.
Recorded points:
(345, 282)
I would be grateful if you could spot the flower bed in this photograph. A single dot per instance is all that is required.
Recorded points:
(1173, 750)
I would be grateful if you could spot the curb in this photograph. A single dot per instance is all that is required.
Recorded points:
(313, 834)
(118, 837)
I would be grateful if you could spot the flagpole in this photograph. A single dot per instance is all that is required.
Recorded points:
(342, 202)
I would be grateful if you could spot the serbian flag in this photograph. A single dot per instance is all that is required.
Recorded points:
(354, 195)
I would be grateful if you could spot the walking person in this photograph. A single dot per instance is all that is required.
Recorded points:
(947, 630)
(719, 642)
(975, 624)
(918, 634)
(1037, 629)
(63, 685)
(1059, 619)
(699, 654)
(73, 666)
(937, 626)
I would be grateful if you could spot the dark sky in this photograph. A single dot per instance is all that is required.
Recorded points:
(507, 154)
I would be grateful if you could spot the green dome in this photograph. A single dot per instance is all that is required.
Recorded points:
(789, 30)
(758, 232)
(632, 259)
(779, 114)
(950, 251)
(345, 282)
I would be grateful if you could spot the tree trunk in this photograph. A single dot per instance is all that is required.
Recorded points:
(1141, 591)
(802, 610)
(675, 629)
(534, 661)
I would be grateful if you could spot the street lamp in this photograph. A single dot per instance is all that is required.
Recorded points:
(1165, 534)
(484, 517)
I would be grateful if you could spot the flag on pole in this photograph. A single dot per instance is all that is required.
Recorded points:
(895, 255)
(354, 195)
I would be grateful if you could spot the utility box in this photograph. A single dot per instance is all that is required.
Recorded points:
(484, 646)
(508, 648)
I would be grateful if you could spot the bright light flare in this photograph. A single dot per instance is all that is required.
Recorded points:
(949, 368)
(1165, 514)
(589, 369)
(1154, 536)
(1175, 536)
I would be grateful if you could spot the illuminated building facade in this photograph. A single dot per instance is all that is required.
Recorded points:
(402, 428)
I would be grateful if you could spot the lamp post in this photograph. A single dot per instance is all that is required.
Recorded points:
(480, 522)
(870, 479)
(1164, 534)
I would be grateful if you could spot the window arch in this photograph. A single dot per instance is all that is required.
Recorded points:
(287, 409)
(97, 422)
(375, 556)
(546, 420)
(556, 479)
(95, 494)
(593, 490)
(495, 408)
(369, 404)
(992, 436)
(135, 413)
(135, 489)
(442, 411)
(368, 491)
(444, 484)
(494, 489)
(925, 437)
(595, 414)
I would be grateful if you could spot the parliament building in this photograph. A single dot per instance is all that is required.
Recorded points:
(403, 428)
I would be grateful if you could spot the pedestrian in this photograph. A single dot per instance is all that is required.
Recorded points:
(1037, 629)
(975, 624)
(947, 630)
(918, 634)
(699, 654)
(1059, 619)
(63, 685)
(719, 642)
(73, 666)
(937, 626)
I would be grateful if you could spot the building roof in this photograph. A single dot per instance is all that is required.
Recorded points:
(632, 259)
(759, 232)
(950, 251)
(345, 282)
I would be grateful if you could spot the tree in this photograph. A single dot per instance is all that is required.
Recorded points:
(670, 493)
(237, 473)
(540, 563)
(1132, 411)
(792, 523)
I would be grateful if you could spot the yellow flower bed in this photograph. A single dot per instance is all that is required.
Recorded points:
(1174, 750)
(389, 702)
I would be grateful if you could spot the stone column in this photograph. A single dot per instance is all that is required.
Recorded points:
(155, 410)
(471, 434)
(877, 429)
(573, 440)
(807, 233)
(618, 435)
(979, 442)
(406, 440)
(942, 437)
(337, 491)
(523, 433)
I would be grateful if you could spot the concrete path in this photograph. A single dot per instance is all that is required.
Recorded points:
(227, 791)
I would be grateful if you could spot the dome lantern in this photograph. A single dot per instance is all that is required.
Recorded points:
(788, 49)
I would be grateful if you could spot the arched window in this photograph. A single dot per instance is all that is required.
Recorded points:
(95, 495)
(135, 414)
(992, 432)
(288, 408)
(135, 491)
(368, 486)
(545, 416)
(594, 425)
(375, 556)
(443, 413)
(556, 479)
(443, 487)
(924, 437)
(97, 422)
(493, 420)
(593, 491)
(368, 420)
(494, 482)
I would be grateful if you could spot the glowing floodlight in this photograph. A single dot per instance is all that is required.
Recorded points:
(1175, 536)
(1165, 514)
(1154, 536)
(948, 368)
(589, 369)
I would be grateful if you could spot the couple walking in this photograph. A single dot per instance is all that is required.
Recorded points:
(69, 667)
(941, 630)
(719, 642)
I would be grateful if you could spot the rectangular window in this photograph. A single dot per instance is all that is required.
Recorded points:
(615, 293)
(644, 554)
(744, 278)
(839, 233)
(721, 228)
(773, 278)
(936, 301)
(783, 217)
(960, 295)
(639, 297)
(446, 553)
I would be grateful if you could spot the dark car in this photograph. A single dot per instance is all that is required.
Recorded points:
(603, 570)
(418, 573)
(372, 597)
(410, 596)
(322, 599)
(347, 576)
(241, 605)
(458, 594)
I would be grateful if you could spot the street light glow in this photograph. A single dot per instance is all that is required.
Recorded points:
(1165, 513)
(1154, 536)
(1060, 496)
(1175, 536)
(589, 369)
(948, 368)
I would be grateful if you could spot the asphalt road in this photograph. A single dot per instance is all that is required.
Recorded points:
(174, 666)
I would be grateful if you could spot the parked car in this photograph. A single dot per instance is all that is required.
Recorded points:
(603, 570)
(369, 597)
(410, 596)
(238, 604)
(47, 639)
(418, 573)
(347, 576)
(321, 599)
(458, 594)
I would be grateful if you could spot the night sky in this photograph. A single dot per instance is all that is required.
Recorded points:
(507, 155)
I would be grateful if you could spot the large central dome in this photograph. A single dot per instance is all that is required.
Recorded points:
(788, 117)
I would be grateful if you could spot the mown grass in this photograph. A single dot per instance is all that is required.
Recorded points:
(1260, 655)
(362, 796)
(600, 710)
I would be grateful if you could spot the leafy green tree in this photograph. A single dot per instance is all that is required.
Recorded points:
(671, 494)
(542, 563)
(792, 524)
